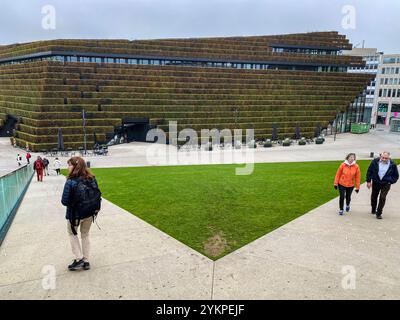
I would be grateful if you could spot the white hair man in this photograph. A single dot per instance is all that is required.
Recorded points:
(382, 173)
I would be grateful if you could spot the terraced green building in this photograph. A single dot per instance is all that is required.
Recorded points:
(130, 86)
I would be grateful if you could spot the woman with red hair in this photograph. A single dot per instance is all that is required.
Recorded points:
(82, 198)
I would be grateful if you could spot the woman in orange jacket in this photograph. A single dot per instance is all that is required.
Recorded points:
(347, 177)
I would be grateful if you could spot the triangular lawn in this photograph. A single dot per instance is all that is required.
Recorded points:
(214, 211)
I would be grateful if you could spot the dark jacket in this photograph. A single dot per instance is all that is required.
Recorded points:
(68, 195)
(391, 176)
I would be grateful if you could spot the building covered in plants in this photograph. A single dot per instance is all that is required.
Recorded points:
(291, 82)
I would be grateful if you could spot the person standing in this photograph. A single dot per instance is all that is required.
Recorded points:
(82, 198)
(38, 166)
(347, 177)
(28, 158)
(382, 173)
(57, 166)
(46, 166)
(19, 160)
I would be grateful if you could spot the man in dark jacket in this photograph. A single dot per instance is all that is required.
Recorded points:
(382, 173)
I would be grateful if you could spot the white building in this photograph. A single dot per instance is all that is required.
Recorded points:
(372, 59)
(387, 93)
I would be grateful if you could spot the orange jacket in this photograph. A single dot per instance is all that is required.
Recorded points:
(348, 175)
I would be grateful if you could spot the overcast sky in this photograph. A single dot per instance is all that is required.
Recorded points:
(377, 22)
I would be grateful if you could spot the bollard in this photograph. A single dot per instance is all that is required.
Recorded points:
(88, 164)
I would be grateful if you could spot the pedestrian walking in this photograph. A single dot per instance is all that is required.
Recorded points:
(382, 173)
(19, 160)
(57, 166)
(347, 178)
(38, 166)
(46, 166)
(28, 158)
(82, 198)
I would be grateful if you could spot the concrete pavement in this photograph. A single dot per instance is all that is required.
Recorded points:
(132, 260)
(311, 256)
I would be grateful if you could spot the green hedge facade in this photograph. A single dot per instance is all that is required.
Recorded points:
(48, 95)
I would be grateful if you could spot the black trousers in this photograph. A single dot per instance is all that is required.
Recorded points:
(380, 190)
(345, 193)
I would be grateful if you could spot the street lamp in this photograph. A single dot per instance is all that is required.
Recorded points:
(336, 124)
(84, 129)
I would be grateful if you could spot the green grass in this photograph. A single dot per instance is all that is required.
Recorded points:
(214, 211)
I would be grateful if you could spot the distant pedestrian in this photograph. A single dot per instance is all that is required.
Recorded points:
(347, 177)
(38, 166)
(19, 160)
(382, 173)
(28, 158)
(82, 198)
(46, 166)
(57, 166)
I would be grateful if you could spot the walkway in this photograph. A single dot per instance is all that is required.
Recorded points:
(133, 260)
(139, 154)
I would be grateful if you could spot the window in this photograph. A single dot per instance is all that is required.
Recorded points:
(395, 108)
(397, 70)
(380, 92)
(398, 93)
(386, 80)
(382, 80)
(394, 93)
(383, 70)
(389, 60)
(389, 93)
(382, 107)
(384, 93)
(390, 81)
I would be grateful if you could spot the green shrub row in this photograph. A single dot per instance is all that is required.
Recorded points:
(185, 51)
(38, 147)
(331, 39)
(124, 71)
(67, 130)
(67, 121)
(267, 95)
(53, 138)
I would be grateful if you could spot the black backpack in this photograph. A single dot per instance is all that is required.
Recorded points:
(86, 202)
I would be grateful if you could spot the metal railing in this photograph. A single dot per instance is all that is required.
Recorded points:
(12, 190)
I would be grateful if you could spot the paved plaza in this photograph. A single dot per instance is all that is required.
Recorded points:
(145, 154)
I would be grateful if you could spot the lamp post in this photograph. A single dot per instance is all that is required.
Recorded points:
(336, 125)
(84, 129)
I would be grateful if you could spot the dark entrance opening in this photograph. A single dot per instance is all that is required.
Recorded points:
(7, 129)
(135, 129)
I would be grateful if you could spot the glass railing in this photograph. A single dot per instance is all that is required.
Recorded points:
(12, 189)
